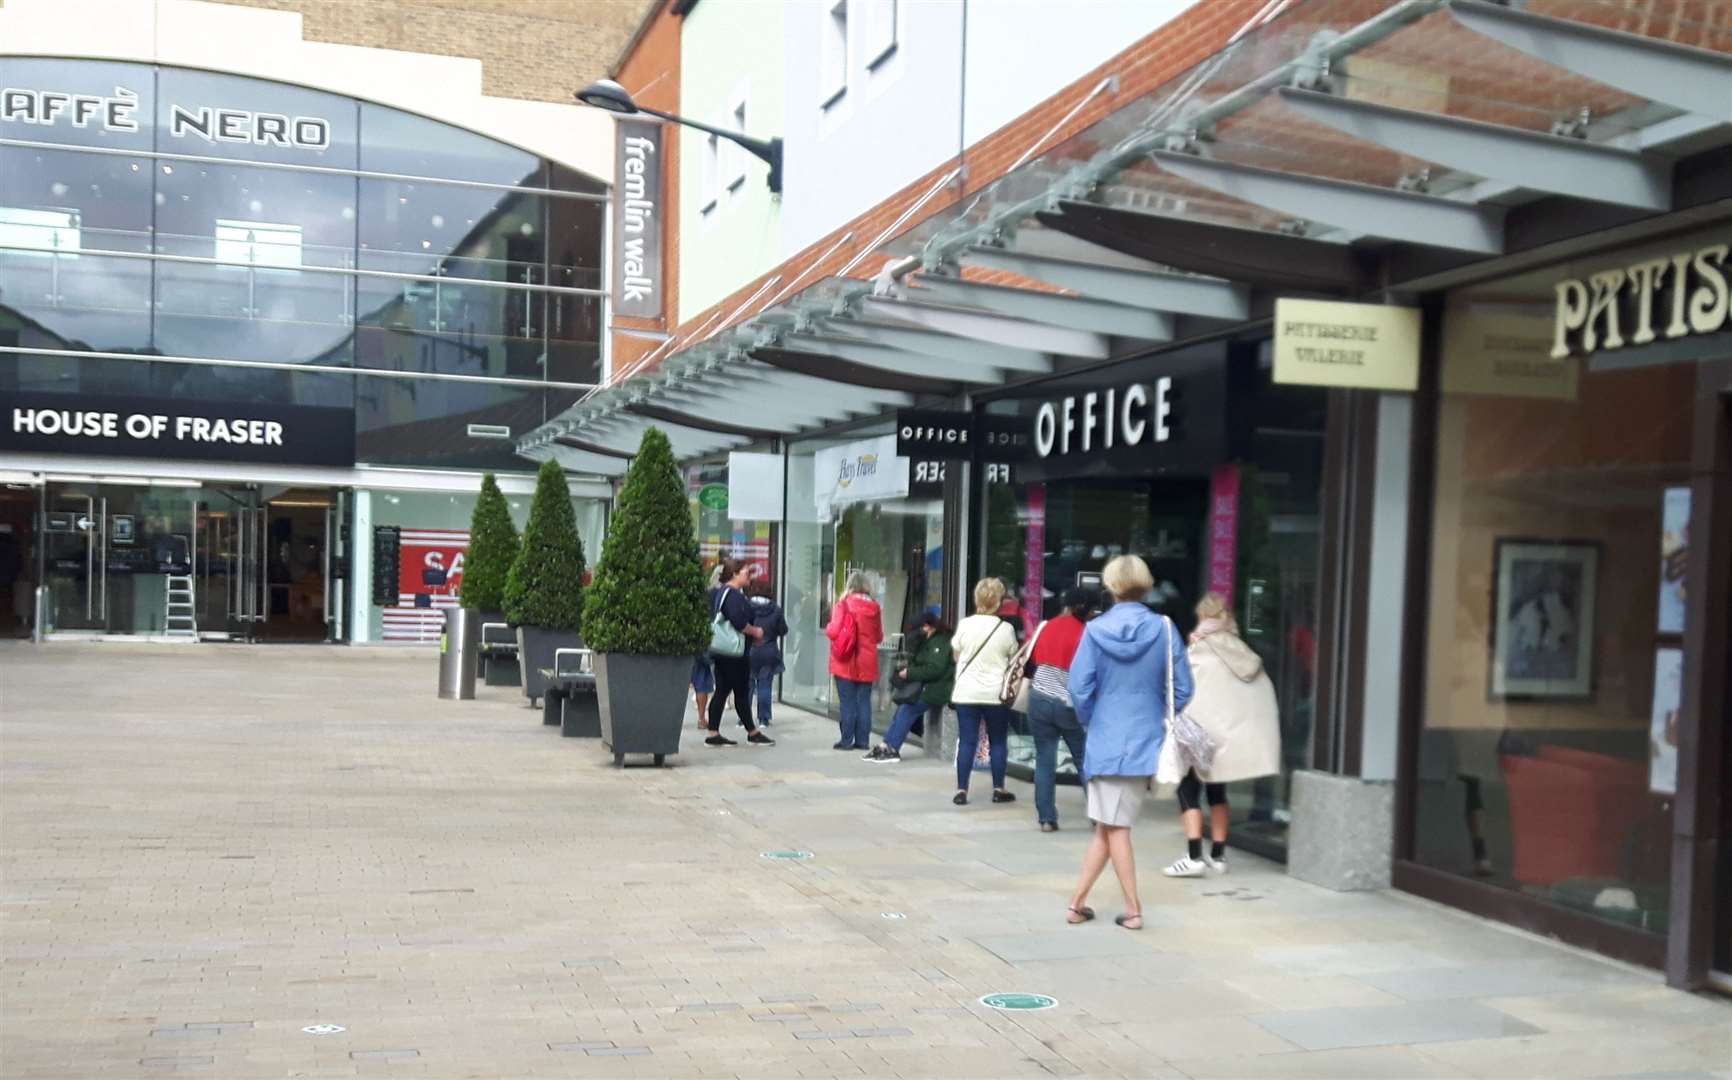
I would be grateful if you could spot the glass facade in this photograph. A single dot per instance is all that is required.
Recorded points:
(1555, 656)
(160, 210)
(895, 537)
(1225, 495)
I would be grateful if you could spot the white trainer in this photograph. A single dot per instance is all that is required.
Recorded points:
(1185, 866)
(1218, 866)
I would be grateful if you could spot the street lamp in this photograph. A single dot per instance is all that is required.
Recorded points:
(609, 95)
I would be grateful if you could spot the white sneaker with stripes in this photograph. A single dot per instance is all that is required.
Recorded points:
(1185, 866)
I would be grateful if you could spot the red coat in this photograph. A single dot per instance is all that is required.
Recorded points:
(868, 632)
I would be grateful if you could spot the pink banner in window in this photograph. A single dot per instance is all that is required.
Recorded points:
(1223, 530)
(1034, 556)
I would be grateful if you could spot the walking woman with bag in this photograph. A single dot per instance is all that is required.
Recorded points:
(923, 687)
(731, 631)
(985, 648)
(1235, 706)
(856, 627)
(1128, 678)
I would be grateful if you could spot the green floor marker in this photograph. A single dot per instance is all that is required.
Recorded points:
(784, 855)
(1016, 1002)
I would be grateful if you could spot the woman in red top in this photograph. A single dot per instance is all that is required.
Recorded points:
(1050, 716)
(855, 630)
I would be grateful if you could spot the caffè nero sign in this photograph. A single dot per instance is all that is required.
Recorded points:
(118, 112)
(1669, 296)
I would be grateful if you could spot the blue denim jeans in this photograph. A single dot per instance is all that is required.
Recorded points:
(1050, 720)
(968, 719)
(856, 708)
(764, 688)
(902, 723)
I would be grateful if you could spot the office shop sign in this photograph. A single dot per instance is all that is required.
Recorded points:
(118, 112)
(114, 426)
(637, 227)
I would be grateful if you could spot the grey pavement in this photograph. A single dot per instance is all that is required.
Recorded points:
(206, 850)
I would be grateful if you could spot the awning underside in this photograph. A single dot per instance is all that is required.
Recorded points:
(1293, 162)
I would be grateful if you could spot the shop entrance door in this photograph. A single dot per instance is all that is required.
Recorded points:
(267, 573)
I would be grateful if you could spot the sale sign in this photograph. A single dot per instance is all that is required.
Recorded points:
(429, 574)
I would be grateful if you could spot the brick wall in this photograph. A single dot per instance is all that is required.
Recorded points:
(539, 50)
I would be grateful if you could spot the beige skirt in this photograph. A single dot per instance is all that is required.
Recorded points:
(1116, 800)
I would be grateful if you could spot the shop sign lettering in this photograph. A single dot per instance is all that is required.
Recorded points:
(1105, 420)
(49, 107)
(637, 223)
(934, 434)
(118, 112)
(245, 126)
(264, 432)
(1358, 346)
(1687, 292)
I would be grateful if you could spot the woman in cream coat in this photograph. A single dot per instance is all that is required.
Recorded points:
(1235, 703)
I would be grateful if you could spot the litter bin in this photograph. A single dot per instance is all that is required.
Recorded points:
(457, 649)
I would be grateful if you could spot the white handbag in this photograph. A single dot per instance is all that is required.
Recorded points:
(1187, 746)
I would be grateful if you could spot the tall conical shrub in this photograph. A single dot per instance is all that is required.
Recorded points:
(545, 585)
(492, 549)
(648, 596)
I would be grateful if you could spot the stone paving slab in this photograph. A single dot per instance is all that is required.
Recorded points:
(203, 851)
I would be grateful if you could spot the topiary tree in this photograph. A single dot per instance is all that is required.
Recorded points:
(648, 596)
(544, 587)
(492, 549)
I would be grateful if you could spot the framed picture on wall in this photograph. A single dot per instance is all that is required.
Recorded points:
(1542, 625)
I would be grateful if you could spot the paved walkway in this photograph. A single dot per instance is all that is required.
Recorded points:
(207, 850)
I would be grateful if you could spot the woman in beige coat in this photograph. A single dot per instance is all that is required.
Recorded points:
(1235, 703)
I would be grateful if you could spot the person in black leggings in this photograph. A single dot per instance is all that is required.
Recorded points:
(734, 673)
(1191, 815)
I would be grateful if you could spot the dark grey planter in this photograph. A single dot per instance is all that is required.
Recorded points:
(642, 701)
(535, 649)
(581, 716)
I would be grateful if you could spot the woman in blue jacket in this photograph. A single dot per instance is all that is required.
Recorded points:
(1118, 685)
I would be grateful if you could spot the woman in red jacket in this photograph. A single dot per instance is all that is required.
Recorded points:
(855, 630)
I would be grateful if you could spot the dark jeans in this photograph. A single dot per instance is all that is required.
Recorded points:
(855, 700)
(733, 677)
(968, 719)
(1050, 720)
(904, 721)
(764, 687)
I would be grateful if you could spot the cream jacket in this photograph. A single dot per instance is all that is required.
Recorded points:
(1235, 703)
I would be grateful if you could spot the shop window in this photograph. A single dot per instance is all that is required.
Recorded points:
(833, 59)
(205, 114)
(1230, 502)
(1554, 658)
(734, 155)
(450, 230)
(117, 102)
(408, 145)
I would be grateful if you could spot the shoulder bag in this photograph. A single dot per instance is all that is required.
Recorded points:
(1194, 748)
(725, 639)
(1014, 692)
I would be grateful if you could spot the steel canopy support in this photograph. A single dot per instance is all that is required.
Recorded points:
(1542, 162)
(1054, 309)
(766, 406)
(576, 460)
(700, 421)
(1688, 78)
(837, 370)
(1011, 333)
(860, 398)
(1359, 208)
(625, 433)
(964, 352)
(1161, 292)
(873, 355)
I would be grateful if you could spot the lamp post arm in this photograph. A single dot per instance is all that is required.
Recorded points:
(768, 152)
